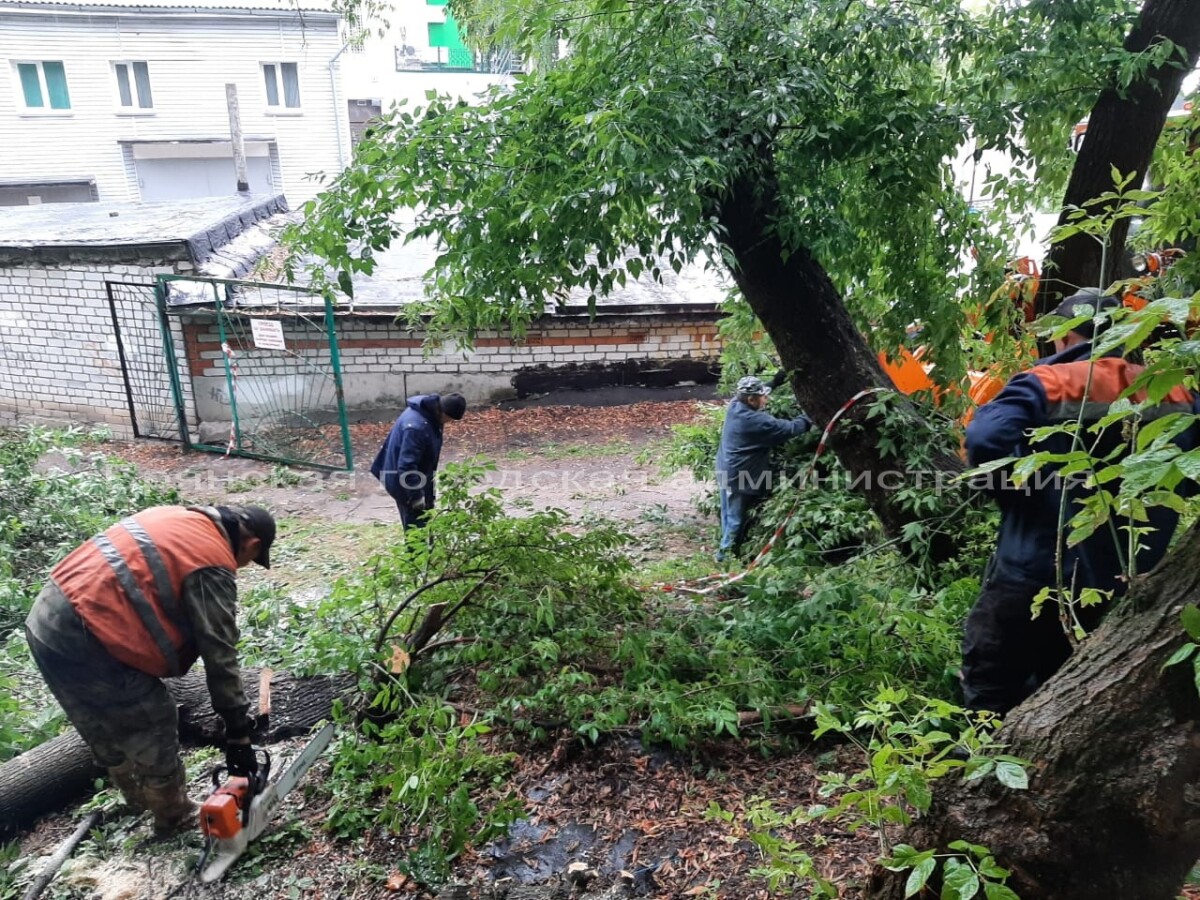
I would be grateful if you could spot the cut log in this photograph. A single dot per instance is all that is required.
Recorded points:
(44, 779)
(53, 774)
(297, 704)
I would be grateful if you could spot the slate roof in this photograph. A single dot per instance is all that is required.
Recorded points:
(145, 233)
(398, 279)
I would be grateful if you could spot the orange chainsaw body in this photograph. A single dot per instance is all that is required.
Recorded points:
(221, 813)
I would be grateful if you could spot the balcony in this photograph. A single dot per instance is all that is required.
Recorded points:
(457, 59)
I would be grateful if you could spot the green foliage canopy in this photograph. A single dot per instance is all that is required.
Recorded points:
(611, 164)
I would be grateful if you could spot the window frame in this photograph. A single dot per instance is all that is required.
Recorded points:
(280, 107)
(23, 107)
(135, 109)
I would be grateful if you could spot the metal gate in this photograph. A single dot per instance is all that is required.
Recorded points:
(263, 370)
(138, 325)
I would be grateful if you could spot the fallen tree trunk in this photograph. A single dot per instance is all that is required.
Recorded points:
(52, 774)
(1114, 745)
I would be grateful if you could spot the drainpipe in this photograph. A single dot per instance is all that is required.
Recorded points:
(338, 111)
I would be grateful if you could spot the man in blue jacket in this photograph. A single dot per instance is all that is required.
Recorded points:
(1007, 654)
(408, 459)
(744, 456)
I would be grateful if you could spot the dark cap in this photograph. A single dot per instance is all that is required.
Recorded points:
(1084, 303)
(454, 405)
(261, 524)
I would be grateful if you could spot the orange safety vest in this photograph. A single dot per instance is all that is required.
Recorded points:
(127, 585)
(1069, 386)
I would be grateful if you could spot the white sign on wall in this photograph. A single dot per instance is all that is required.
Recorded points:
(267, 334)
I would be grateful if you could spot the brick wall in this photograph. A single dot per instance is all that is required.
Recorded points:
(58, 354)
(383, 362)
(59, 362)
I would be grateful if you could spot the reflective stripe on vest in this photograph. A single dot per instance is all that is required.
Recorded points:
(162, 578)
(140, 604)
(1103, 381)
(127, 585)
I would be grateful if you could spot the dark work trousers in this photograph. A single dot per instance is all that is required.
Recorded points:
(1007, 654)
(409, 518)
(124, 715)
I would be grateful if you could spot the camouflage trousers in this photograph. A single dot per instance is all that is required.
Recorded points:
(127, 717)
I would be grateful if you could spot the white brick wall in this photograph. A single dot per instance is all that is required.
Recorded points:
(58, 352)
(378, 355)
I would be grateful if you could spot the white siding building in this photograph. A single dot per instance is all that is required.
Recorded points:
(125, 99)
(421, 50)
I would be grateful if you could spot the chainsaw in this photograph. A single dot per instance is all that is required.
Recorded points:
(238, 809)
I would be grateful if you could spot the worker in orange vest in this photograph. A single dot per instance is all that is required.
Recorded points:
(1007, 652)
(138, 603)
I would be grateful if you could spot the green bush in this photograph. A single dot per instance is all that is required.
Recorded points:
(47, 510)
(418, 774)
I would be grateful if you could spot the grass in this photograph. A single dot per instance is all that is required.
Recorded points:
(672, 569)
(310, 554)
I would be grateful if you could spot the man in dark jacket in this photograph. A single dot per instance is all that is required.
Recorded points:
(744, 455)
(142, 602)
(408, 459)
(1007, 654)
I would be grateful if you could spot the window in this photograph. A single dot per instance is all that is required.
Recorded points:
(133, 85)
(43, 85)
(283, 85)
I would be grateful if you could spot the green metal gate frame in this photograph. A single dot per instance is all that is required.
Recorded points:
(225, 311)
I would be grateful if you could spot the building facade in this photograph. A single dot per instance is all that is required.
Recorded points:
(422, 49)
(125, 100)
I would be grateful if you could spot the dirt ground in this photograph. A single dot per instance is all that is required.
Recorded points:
(585, 460)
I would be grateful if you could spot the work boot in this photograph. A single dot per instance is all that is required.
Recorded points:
(167, 798)
(124, 780)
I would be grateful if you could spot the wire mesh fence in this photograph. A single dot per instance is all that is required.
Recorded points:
(263, 369)
(138, 331)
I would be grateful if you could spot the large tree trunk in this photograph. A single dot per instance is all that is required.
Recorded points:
(1122, 130)
(1114, 744)
(802, 311)
(49, 776)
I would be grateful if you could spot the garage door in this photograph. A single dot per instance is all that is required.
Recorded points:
(180, 179)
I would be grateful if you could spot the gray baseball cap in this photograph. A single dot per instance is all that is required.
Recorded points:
(751, 386)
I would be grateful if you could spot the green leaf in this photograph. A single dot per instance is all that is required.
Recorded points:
(918, 877)
(919, 794)
(1180, 655)
(1012, 775)
(905, 854)
(989, 869)
(994, 891)
(1191, 621)
(978, 767)
(960, 882)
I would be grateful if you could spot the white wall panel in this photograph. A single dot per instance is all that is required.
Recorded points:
(190, 59)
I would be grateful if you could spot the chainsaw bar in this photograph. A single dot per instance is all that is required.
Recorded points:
(263, 806)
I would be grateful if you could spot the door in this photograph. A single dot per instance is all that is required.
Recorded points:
(182, 179)
(363, 113)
